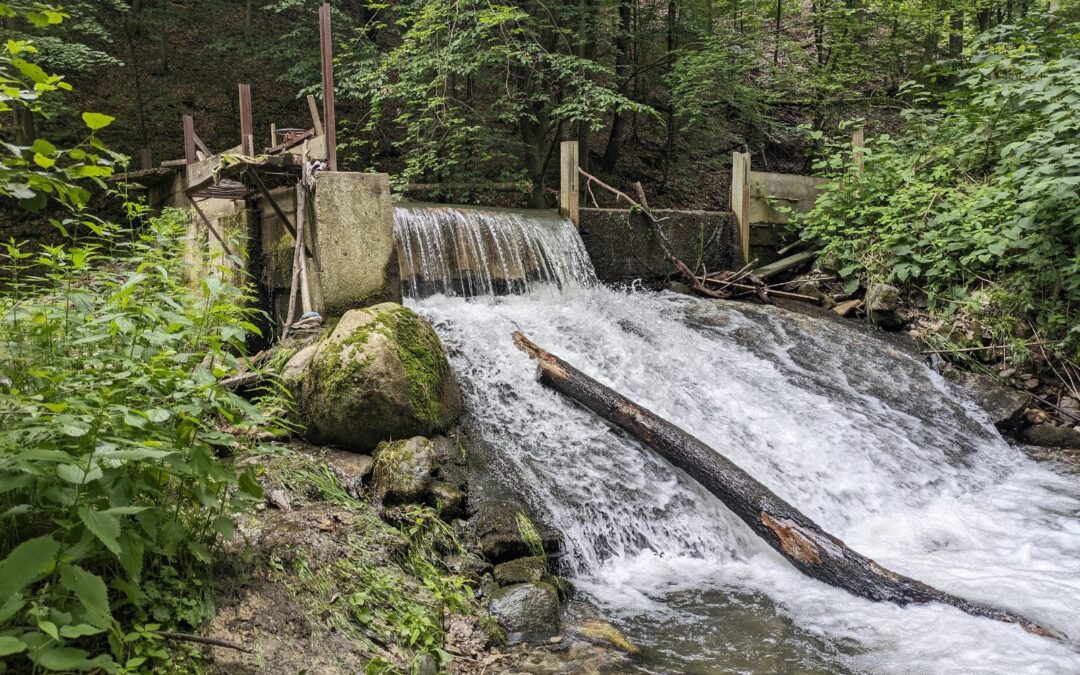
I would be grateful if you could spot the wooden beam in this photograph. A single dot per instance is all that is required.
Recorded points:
(740, 198)
(247, 133)
(316, 120)
(858, 142)
(146, 160)
(326, 40)
(210, 226)
(569, 195)
(189, 140)
(202, 146)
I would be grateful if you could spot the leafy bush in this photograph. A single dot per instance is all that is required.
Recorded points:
(975, 203)
(111, 408)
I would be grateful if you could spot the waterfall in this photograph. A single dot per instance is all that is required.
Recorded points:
(861, 436)
(464, 251)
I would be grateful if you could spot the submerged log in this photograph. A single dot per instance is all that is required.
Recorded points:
(810, 549)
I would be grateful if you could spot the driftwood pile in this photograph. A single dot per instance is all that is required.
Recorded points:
(801, 541)
(726, 285)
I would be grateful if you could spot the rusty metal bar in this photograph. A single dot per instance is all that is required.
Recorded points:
(247, 137)
(273, 204)
(326, 39)
(210, 226)
(189, 140)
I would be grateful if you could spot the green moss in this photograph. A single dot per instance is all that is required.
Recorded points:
(424, 362)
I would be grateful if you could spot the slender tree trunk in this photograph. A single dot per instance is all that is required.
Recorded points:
(984, 19)
(776, 39)
(25, 132)
(672, 45)
(956, 34)
(622, 72)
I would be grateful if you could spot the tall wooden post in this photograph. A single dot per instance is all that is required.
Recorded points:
(247, 131)
(740, 198)
(569, 198)
(858, 142)
(326, 39)
(146, 160)
(189, 140)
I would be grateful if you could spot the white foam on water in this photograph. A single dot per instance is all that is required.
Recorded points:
(861, 437)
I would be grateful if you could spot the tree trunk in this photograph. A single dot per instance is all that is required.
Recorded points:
(802, 542)
(776, 38)
(622, 73)
(672, 44)
(956, 34)
(25, 133)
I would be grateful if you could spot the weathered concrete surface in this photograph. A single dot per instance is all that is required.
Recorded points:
(354, 241)
(623, 248)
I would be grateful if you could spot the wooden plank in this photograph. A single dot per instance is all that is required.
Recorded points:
(189, 140)
(273, 135)
(569, 194)
(740, 198)
(326, 39)
(858, 142)
(316, 120)
(146, 160)
(785, 264)
(202, 146)
(247, 133)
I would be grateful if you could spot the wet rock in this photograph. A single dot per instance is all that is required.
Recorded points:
(279, 499)
(526, 611)
(448, 498)
(883, 306)
(381, 374)
(293, 371)
(1035, 416)
(680, 287)
(502, 530)
(813, 289)
(1031, 383)
(467, 565)
(402, 470)
(1002, 404)
(521, 571)
(603, 632)
(1051, 437)
(1069, 403)
(352, 470)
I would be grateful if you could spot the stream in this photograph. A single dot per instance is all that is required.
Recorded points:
(855, 432)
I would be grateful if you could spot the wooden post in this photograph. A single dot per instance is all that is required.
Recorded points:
(326, 39)
(273, 135)
(858, 142)
(247, 133)
(569, 197)
(316, 120)
(189, 140)
(146, 160)
(740, 198)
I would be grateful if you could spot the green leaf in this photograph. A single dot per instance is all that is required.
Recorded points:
(79, 630)
(91, 592)
(30, 560)
(74, 473)
(104, 526)
(69, 658)
(10, 645)
(96, 120)
(224, 526)
(50, 629)
(250, 486)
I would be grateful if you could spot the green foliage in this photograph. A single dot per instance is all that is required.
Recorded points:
(975, 203)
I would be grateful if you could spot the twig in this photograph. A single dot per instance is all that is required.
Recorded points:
(975, 349)
(215, 642)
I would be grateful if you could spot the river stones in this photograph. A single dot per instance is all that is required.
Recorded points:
(883, 306)
(505, 533)
(381, 374)
(402, 470)
(522, 571)
(448, 498)
(526, 611)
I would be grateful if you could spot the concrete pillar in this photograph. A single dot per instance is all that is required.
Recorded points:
(355, 254)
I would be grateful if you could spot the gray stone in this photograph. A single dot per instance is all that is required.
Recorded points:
(813, 289)
(467, 566)
(526, 611)
(355, 241)
(883, 305)
(1051, 437)
(497, 528)
(402, 471)
(1003, 405)
(295, 368)
(381, 374)
(522, 571)
(449, 499)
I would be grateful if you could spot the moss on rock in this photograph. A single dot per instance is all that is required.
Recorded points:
(381, 374)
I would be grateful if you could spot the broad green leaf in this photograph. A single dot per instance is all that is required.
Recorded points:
(26, 563)
(10, 645)
(73, 473)
(97, 121)
(104, 526)
(91, 592)
(69, 658)
(79, 630)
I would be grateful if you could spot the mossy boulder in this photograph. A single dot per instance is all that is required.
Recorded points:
(526, 611)
(402, 471)
(380, 375)
(522, 571)
(504, 532)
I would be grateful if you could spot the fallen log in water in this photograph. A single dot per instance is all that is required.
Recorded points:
(801, 541)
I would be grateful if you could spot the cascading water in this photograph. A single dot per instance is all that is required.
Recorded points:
(458, 251)
(860, 436)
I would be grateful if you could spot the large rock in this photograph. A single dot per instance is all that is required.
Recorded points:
(504, 533)
(382, 374)
(527, 610)
(522, 571)
(402, 470)
(1002, 404)
(1051, 437)
(883, 306)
